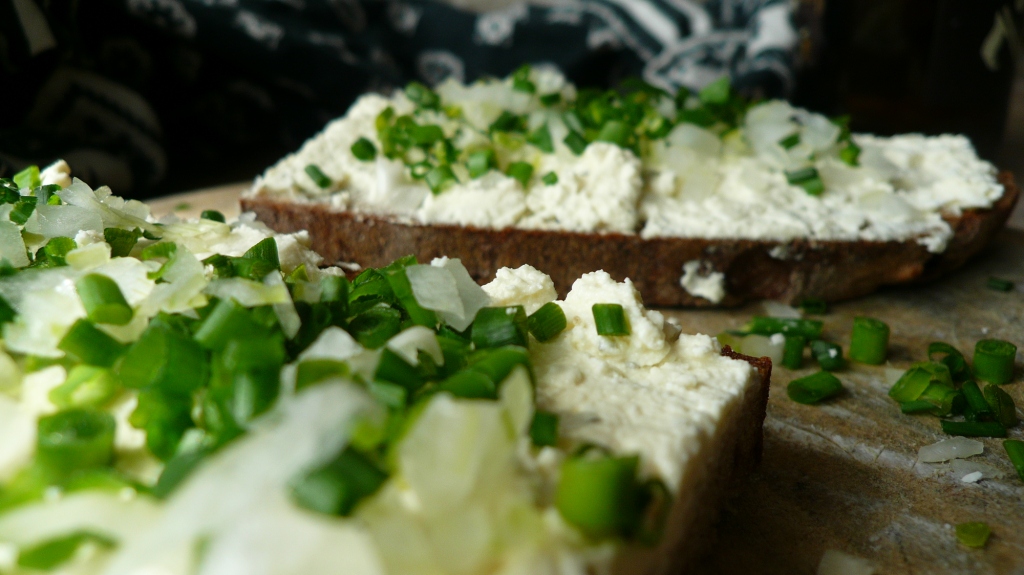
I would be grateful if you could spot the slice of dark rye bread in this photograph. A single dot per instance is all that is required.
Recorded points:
(824, 269)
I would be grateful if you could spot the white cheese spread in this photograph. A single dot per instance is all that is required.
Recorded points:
(692, 183)
(709, 285)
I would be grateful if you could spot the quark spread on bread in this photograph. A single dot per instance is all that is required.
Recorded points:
(696, 166)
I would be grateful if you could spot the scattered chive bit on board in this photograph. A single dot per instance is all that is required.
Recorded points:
(973, 534)
(994, 360)
(814, 388)
(999, 284)
(869, 341)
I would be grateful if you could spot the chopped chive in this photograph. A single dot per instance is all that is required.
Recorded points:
(976, 400)
(541, 138)
(7, 313)
(439, 179)
(814, 388)
(86, 343)
(374, 327)
(913, 383)
(212, 215)
(974, 534)
(164, 359)
(869, 341)
(994, 360)
(943, 398)
(808, 179)
(610, 319)
(500, 326)
(85, 386)
(973, 428)
(395, 369)
(716, 92)
(28, 178)
(524, 86)
(75, 439)
(951, 357)
(364, 150)
(793, 352)
(103, 300)
(999, 284)
(497, 363)
(121, 241)
(469, 384)
(425, 135)
(598, 495)
(480, 162)
(520, 171)
(916, 406)
(550, 179)
(551, 99)
(265, 251)
(57, 249)
(615, 132)
(1003, 408)
(50, 554)
(547, 322)
(814, 306)
(1015, 450)
(791, 141)
(336, 488)
(809, 329)
(507, 122)
(544, 428)
(828, 355)
(575, 142)
(318, 177)
(419, 170)
(422, 95)
(850, 155)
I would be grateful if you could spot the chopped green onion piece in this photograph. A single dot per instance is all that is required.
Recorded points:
(975, 399)
(319, 178)
(164, 359)
(57, 249)
(994, 360)
(544, 428)
(28, 178)
(869, 342)
(176, 470)
(1002, 405)
(227, 321)
(212, 215)
(469, 384)
(814, 306)
(520, 171)
(336, 488)
(52, 553)
(793, 352)
(973, 428)
(547, 322)
(439, 178)
(974, 534)
(507, 122)
(86, 343)
(598, 495)
(814, 388)
(1015, 450)
(393, 368)
(943, 398)
(551, 99)
(75, 439)
(160, 250)
(541, 138)
(850, 155)
(422, 95)
(615, 132)
(426, 135)
(575, 142)
(550, 179)
(498, 363)
(951, 357)
(103, 300)
(716, 92)
(22, 210)
(791, 141)
(610, 319)
(809, 329)
(916, 406)
(828, 355)
(7, 313)
(500, 326)
(364, 150)
(375, 326)
(85, 386)
(266, 251)
(1000, 284)
(808, 179)
(480, 162)
(419, 170)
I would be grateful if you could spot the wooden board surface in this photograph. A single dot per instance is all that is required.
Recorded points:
(844, 475)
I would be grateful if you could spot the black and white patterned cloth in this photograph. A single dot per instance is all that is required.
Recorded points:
(156, 95)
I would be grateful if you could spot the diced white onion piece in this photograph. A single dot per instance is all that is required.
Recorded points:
(434, 288)
(819, 133)
(332, 343)
(838, 563)
(472, 295)
(89, 256)
(964, 467)
(765, 346)
(285, 310)
(517, 396)
(248, 293)
(776, 309)
(12, 246)
(100, 512)
(414, 339)
(696, 138)
(17, 437)
(63, 221)
(81, 195)
(972, 477)
(952, 448)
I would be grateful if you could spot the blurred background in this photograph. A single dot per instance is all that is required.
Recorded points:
(160, 96)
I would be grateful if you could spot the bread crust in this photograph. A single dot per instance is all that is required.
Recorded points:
(828, 270)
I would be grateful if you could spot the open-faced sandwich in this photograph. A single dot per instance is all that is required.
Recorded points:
(182, 397)
(700, 199)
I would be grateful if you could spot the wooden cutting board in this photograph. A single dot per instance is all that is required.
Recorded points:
(844, 475)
